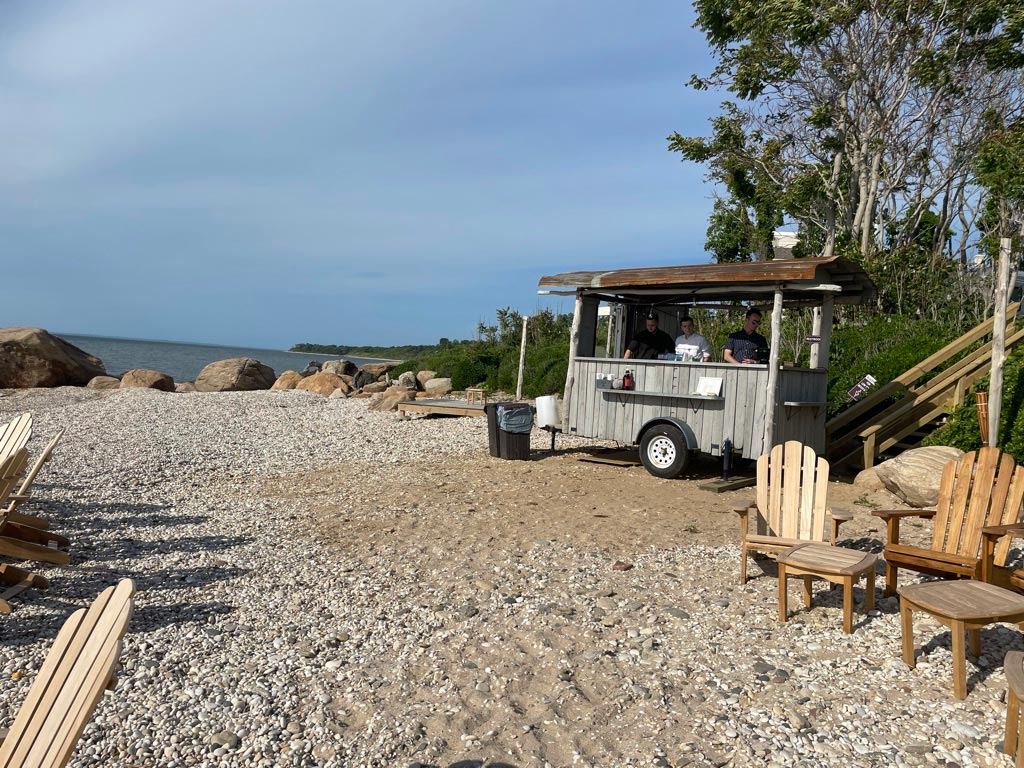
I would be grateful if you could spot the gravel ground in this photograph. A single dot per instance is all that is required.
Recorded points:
(258, 642)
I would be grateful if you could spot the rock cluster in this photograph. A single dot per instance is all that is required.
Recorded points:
(342, 379)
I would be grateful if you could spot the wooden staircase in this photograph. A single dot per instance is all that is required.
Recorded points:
(874, 425)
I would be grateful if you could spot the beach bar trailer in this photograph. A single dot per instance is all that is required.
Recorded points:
(678, 408)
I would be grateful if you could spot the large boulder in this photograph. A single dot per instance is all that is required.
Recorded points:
(143, 378)
(31, 357)
(103, 382)
(408, 380)
(237, 374)
(287, 380)
(322, 383)
(340, 367)
(313, 366)
(869, 480)
(424, 376)
(185, 386)
(378, 369)
(914, 475)
(391, 397)
(375, 387)
(438, 387)
(362, 378)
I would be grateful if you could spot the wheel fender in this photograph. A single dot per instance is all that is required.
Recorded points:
(682, 426)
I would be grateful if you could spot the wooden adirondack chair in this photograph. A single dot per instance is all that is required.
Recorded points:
(24, 491)
(61, 701)
(24, 542)
(980, 489)
(14, 435)
(792, 484)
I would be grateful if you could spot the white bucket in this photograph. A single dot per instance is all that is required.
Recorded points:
(547, 412)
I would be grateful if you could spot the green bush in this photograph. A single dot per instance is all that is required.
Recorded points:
(961, 430)
(885, 346)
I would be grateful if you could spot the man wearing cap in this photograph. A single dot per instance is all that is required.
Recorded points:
(650, 342)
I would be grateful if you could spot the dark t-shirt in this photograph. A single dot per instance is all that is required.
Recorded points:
(647, 346)
(744, 345)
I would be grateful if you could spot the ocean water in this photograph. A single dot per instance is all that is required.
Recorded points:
(184, 361)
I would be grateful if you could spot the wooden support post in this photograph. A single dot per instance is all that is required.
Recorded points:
(608, 336)
(995, 389)
(825, 331)
(574, 340)
(620, 331)
(815, 331)
(522, 360)
(773, 372)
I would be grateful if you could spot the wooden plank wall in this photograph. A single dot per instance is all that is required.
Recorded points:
(605, 414)
(806, 424)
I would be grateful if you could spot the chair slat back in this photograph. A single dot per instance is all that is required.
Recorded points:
(983, 487)
(792, 486)
(14, 435)
(44, 457)
(71, 682)
(10, 469)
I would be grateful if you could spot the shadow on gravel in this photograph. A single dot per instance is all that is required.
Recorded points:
(992, 638)
(151, 617)
(101, 515)
(118, 549)
(466, 764)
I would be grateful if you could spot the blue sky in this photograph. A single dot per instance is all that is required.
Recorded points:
(265, 173)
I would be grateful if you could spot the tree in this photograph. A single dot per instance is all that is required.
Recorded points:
(858, 120)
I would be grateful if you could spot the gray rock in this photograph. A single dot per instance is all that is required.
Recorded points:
(340, 367)
(227, 739)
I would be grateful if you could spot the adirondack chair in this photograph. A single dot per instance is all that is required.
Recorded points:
(61, 701)
(24, 542)
(14, 435)
(792, 483)
(24, 491)
(981, 489)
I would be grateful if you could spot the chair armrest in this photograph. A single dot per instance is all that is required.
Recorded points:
(886, 514)
(998, 531)
(841, 515)
(742, 509)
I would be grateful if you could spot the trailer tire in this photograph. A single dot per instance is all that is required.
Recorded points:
(663, 451)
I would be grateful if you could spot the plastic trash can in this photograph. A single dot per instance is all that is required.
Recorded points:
(508, 430)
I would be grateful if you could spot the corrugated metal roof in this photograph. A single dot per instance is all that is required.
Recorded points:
(697, 279)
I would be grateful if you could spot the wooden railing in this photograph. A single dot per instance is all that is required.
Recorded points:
(873, 425)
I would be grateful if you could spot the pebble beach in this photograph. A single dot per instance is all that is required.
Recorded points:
(323, 585)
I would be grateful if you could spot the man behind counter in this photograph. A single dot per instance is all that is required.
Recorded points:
(650, 342)
(742, 346)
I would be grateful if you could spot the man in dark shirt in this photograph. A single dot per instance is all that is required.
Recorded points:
(743, 345)
(650, 342)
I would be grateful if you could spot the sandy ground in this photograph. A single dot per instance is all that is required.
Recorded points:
(556, 687)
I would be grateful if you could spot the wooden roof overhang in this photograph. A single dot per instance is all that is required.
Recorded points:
(808, 279)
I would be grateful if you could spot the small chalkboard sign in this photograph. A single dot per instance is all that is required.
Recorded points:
(812, 339)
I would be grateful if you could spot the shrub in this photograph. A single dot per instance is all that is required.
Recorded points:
(885, 346)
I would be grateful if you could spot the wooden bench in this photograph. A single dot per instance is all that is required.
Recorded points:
(79, 667)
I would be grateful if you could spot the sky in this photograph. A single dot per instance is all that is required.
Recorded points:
(267, 173)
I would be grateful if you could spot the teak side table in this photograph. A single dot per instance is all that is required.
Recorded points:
(838, 565)
(962, 606)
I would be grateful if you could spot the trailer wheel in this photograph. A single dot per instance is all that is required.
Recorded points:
(663, 451)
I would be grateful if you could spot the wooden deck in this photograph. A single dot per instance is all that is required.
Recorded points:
(442, 407)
